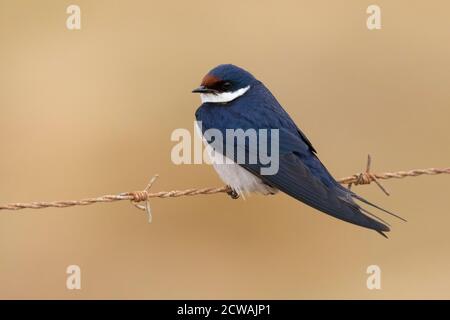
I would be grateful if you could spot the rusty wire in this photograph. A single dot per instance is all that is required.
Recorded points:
(137, 197)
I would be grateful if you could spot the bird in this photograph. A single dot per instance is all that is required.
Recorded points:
(232, 98)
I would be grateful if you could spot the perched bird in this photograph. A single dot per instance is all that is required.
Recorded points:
(232, 98)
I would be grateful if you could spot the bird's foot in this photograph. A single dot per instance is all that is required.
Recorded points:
(233, 194)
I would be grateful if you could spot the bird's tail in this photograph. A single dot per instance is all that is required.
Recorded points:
(363, 200)
(354, 195)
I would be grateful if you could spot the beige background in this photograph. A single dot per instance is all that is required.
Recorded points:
(89, 112)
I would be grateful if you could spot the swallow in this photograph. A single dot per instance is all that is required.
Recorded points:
(232, 98)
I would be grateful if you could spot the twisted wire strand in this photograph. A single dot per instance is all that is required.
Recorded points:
(140, 196)
(367, 177)
(135, 197)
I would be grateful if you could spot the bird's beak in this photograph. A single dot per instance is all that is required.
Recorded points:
(203, 89)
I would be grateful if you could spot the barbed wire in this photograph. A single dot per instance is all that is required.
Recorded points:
(137, 197)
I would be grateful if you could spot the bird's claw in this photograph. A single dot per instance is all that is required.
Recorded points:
(233, 194)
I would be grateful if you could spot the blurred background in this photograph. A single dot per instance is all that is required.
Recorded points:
(90, 112)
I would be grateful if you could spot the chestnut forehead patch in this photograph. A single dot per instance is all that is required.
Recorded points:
(209, 81)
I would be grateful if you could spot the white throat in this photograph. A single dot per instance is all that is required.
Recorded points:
(224, 96)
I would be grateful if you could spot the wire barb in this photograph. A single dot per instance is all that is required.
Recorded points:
(367, 177)
(141, 196)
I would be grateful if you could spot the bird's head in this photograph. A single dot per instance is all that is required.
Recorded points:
(224, 83)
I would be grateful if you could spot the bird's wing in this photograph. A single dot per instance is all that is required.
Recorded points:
(301, 175)
(294, 178)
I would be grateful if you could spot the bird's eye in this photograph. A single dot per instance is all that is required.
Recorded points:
(226, 85)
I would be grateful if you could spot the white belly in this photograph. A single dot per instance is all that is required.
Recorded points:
(241, 180)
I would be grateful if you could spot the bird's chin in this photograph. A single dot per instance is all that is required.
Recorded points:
(223, 97)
